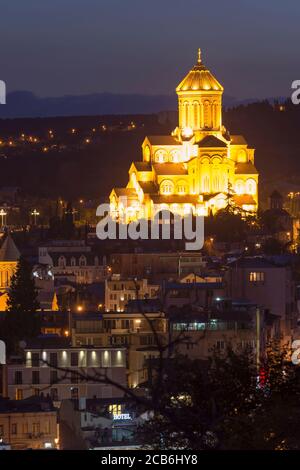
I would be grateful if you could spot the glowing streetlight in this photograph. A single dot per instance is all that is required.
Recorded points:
(79, 308)
(3, 214)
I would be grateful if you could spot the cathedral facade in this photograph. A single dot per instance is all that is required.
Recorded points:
(197, 167)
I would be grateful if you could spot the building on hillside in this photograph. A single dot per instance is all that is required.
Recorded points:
(119, 290)
(51, 367)
(199, 293)
(157, 266)
(227, 323)
(9, 256)
(132, 330)
(73, 261)
(268, 285)
(29, 424)
(99, 424)
(196, 167)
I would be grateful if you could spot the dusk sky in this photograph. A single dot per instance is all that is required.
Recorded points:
(59, 47)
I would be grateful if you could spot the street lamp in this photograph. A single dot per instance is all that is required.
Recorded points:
(35, 214)
(3, 215)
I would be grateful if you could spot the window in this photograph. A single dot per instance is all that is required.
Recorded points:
(239, 187)
(250, 186)
(35, 360)
(74, 359)
(35, 377)
(14, 428)
(53, 376)
(205, 184)
(115, 409)
(47, 427)
(220, 345)
(74, 393)
(74, 377)
(53, 359)
(54, 394)
(181, 188)
(25, 428)
(18, 377)
(82, 261)
(73, 261)
(167, 187)
(257, 276)
(1, 430)
(35, 428)
(19, 394)
(161, 156)
(62, 262)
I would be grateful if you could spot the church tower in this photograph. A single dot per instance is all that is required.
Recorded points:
(200, 101)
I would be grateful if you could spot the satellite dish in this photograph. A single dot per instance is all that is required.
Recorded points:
(22, 344)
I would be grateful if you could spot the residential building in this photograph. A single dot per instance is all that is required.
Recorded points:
(51, 367)
(73, 260)
(29, 424)
(118, 291)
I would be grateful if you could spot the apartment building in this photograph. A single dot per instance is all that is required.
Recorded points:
(56, 369)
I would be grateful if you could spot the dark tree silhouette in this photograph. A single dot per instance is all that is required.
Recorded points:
(21, 320)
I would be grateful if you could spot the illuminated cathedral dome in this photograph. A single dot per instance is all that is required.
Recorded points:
(199, 78)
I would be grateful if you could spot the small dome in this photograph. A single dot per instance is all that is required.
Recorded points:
(199, 79)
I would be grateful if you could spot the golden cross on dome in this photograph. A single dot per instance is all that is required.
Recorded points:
(199, 56)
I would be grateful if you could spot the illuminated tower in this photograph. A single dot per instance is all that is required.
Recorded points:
(200, 101)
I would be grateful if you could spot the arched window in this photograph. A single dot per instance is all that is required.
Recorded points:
(82, 260)
(207, 114)
(239, 187)
(147, 153)
(186, 113)
(62, 262)
(167, 187)
(205, 184)
(133, 178)
(181, 187)
(73, 261)
(174, 156)
(251, 186)
(196, 114)
(242, 156)
(161, 156)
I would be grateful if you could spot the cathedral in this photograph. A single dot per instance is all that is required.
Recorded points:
(195, 169)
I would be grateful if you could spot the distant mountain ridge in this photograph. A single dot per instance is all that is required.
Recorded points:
(21, 104)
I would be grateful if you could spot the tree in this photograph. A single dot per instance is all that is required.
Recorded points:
(21, 320)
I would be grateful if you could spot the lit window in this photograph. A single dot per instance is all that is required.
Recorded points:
(115, 409)
(239, 187)
(251, 186)
(167, 187)
(257, 276)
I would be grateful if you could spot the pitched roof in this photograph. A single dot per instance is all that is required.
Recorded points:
(148, 187)
(252, 262)
(8, 250)
(162, 140)
(241, 199)
(246, 168)
(175, 199)
(211, 141)
(142, 166)
(125, 192)
(170, 169)
(238, 140)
